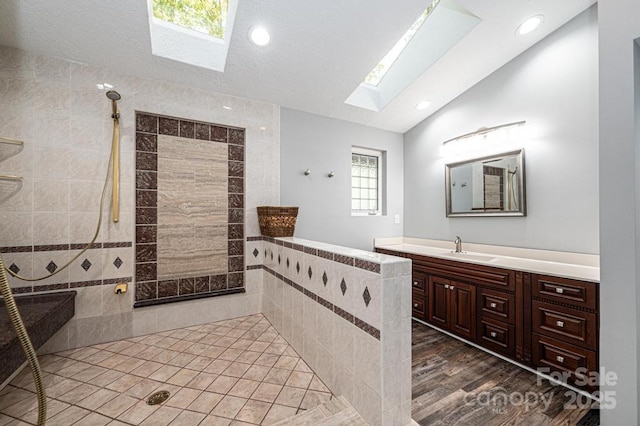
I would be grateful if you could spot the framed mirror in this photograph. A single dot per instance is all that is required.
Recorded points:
(487, 186)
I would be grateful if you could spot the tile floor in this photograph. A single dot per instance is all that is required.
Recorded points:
(233, 372)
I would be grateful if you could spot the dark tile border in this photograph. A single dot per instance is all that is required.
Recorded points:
(195, 296)
(148, 290)
(64, 247)
(367, 265)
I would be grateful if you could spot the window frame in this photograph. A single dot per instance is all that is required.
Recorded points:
(380, 156)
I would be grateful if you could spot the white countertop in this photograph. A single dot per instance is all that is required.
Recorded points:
(561, 264)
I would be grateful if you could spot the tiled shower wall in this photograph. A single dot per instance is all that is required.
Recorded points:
(348, 313)
(55, 107)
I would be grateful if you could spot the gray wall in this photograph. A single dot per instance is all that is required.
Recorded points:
(553, 86)
(322, 145)
(619, 205)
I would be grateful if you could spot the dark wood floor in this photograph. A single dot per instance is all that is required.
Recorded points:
(454, 383)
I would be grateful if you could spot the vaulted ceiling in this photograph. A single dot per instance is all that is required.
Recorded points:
(320, 50)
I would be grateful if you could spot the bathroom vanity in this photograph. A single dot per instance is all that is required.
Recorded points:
(535, 307)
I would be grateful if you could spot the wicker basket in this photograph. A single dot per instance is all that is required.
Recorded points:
(277, 221)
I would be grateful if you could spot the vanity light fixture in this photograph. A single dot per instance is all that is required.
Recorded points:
(530, 25)
(422, 105)
(487, 136)
(259, 36)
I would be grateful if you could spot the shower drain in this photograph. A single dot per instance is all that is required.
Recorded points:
(158, 397)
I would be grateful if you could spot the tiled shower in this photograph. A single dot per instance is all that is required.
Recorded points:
(54, 105)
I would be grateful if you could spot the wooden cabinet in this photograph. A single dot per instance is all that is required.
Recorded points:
(565, 326)
(538, 320)
(452, 306)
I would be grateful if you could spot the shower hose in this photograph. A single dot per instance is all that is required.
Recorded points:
(10, 303)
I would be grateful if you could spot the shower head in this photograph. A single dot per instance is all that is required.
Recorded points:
(113, 95)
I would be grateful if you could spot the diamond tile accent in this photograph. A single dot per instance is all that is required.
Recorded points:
(287, 263)
(118, 262)
(86, 265)
(51, 267)
(298, 267)
(279, 260)
(14, 268)
(309, 272)
(366, 296)
(343, 287)
(271, 255)
(324, 278)
(255, 252)
(265, 253)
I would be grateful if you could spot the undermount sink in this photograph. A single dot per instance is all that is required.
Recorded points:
(464, 255)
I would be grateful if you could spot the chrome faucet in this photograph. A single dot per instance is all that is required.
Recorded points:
(458, 243)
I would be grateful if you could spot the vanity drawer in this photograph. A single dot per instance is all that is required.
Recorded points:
(495, 304)
(560, 356)
(419, 282)
(497, 336)
(418, 306)
(578, 293)
(569, 325)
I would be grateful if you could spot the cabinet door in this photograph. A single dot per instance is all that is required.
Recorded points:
(463, 309)
(438, 301)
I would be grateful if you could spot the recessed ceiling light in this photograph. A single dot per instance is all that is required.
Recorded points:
(259, 36)
(423, 105)
(530, 25)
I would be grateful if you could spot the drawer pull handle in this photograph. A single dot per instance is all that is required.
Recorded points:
(560, 323)
(446, 286)
(451, 287)
(493, 334)
(559, 290)
(416, 283)
(560, 358)
(493, 305)
(415, 305)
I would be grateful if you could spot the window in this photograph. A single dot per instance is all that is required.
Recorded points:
(366, 181)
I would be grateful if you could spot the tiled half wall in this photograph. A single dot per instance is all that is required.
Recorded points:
(189, 209)
(348, 313)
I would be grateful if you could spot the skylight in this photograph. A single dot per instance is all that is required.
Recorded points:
(380, 70)
(205, 16)
(196, 32)
(443, 24)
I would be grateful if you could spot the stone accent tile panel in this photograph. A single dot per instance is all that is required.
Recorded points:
(189, 207)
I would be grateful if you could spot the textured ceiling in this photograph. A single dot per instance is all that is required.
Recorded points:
(320, 50)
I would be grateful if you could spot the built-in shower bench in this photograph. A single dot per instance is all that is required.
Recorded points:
(43, 315)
